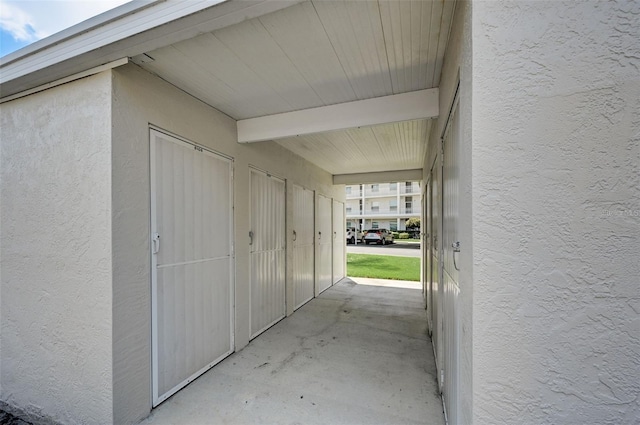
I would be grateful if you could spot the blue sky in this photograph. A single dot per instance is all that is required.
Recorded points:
(24, 21)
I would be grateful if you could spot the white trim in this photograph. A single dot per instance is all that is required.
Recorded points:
(68, 79)
(80, 28)
(128, 30)
(379, 177)
(107, 28)
(414, 105)
(154, 268)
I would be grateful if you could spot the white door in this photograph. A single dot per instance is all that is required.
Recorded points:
(339, 241)
(429, 248)
(451, 266)
(424, 243)
(192, 262)
(268, 250)
(324, 238)
(303, 246)
(436, 267)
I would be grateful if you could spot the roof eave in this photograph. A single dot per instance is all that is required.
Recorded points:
(125, 31)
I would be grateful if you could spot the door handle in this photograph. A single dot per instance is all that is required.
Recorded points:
(250, 237)
(319, 235)
(456, 248)
(295, 236)
(155, 239)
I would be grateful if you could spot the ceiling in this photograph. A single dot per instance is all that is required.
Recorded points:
(320, 53)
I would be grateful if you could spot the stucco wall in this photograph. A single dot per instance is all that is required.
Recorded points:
(556, 208)
(140, 99)
(55, 252)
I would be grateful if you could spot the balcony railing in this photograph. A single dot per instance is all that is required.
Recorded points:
(380, 192)
(413, 190)
(372, 212)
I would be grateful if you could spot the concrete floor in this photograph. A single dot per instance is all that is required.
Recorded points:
(357, 354)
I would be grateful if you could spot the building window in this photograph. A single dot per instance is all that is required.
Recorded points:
(393, 226)
(375, 206)
(349, 224)
(408, 203)
(393, 205)
(393, 187)
(348, 209)
(374, 224)
(375, 187)
(348, 189)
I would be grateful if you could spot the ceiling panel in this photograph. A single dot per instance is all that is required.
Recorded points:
(319, 53)
(355, 32)
(389, 147)
(253, 45)
(301, 36)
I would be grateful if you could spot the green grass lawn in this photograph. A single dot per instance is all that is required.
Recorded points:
(383, 267)
(406, 240)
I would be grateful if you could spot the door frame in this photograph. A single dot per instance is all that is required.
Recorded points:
(317, 237)
(156, 398)
(450, 312)
(313, 243)
(252, 169)
(335, 240)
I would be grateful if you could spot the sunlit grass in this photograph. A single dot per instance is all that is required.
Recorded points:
(383, 267)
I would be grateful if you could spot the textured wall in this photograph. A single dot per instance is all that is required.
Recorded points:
(139, 100)
(55, 252)
(556, 207)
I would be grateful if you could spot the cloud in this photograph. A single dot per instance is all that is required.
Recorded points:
(31, 20)
(18, 23)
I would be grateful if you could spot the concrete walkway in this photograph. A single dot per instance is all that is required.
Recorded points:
(357, 354)
(397, 249)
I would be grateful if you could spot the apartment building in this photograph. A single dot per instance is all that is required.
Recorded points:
(382, 205)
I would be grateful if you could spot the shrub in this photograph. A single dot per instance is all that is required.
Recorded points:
(412, 222)
(403, 236)
(395, 235)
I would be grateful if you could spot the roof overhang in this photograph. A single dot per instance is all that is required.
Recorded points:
(126, 31)
(351, 86)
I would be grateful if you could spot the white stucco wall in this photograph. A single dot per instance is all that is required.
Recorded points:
(556, 212)
(55, 252)
(140, 99)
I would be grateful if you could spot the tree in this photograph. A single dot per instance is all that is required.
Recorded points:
(412, 223)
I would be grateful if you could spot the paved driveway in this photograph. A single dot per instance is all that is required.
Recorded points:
(402, 250)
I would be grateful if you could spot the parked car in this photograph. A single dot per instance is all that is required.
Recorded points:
(379, 236)
(352, 235)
